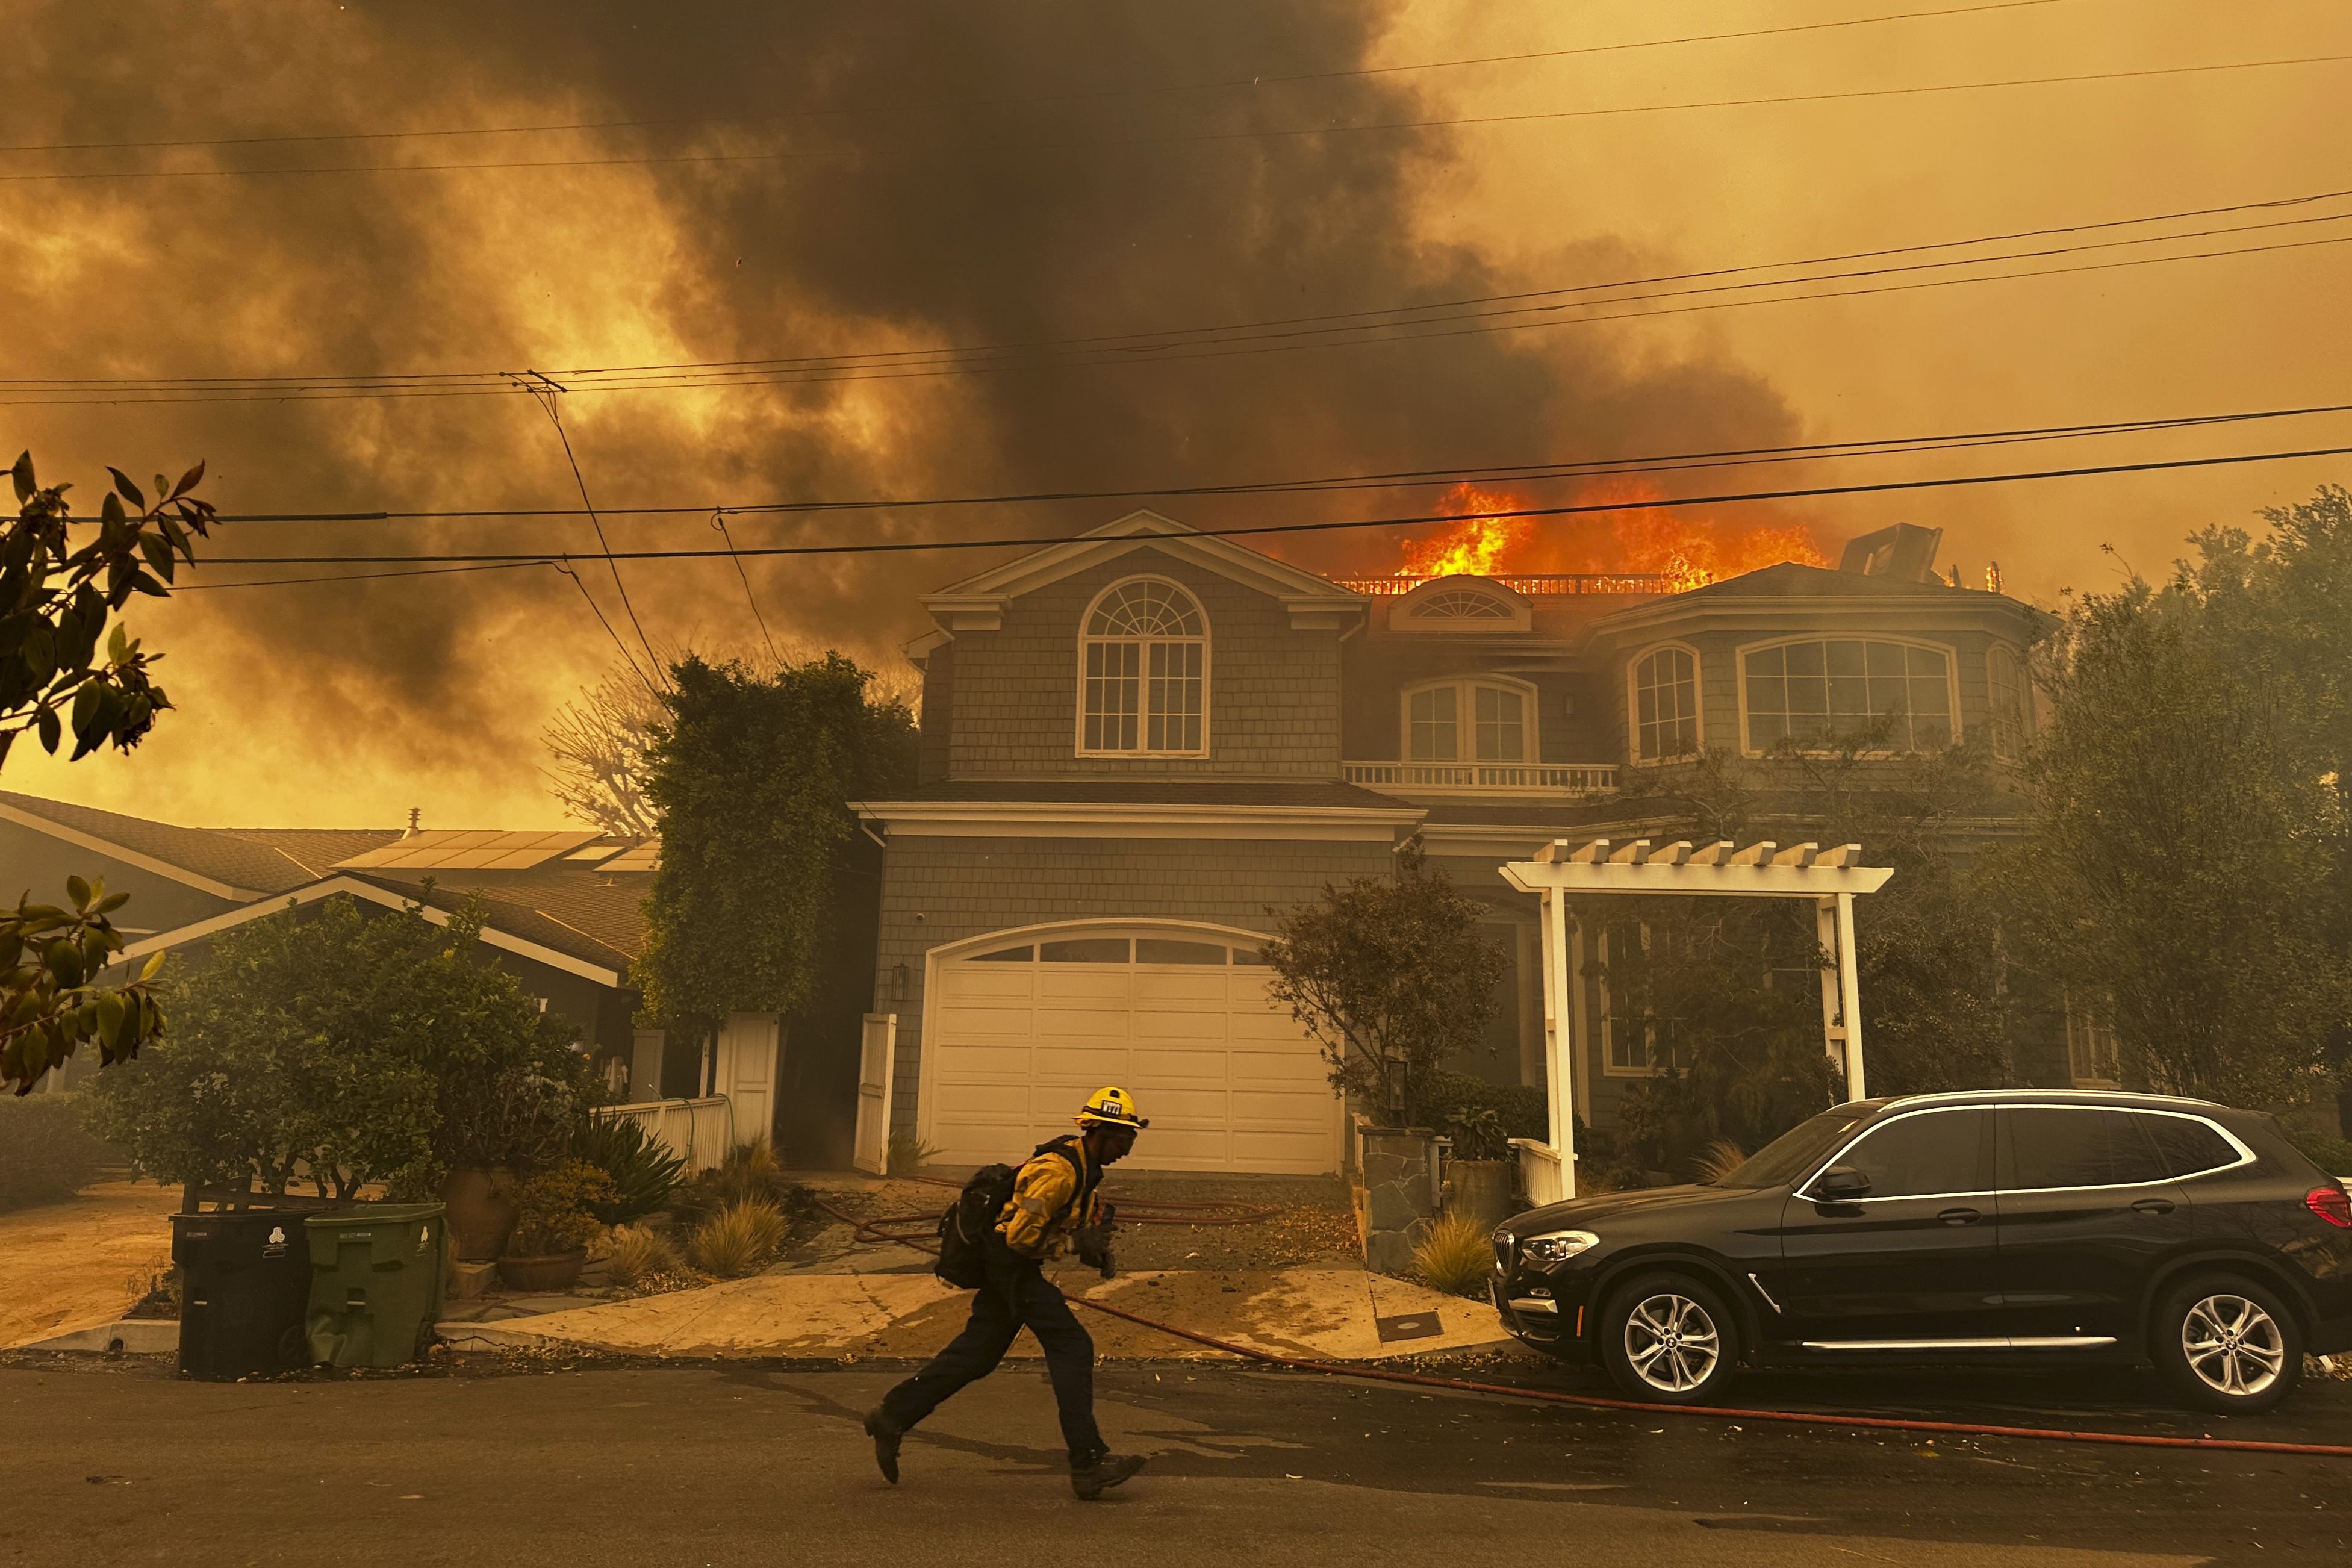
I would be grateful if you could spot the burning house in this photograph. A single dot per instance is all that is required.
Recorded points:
(1137, 747)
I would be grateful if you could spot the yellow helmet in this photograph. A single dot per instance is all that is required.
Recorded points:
(1111, 1107)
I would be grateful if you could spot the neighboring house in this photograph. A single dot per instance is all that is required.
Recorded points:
(1138, 747)
(562, 909)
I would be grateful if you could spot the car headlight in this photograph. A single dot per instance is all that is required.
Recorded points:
(1558, 1247)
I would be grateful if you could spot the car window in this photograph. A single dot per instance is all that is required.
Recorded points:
(2075, 1146)
(1794, 1152)
(2185, 1146)
(1923, 1155)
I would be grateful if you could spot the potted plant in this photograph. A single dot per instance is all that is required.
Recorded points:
(1478, 1177)
(556, 1221)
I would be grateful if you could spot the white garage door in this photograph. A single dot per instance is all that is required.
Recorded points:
(1020, 1034)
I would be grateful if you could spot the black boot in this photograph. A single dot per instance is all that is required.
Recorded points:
(1108, 1470)
(885, 1444)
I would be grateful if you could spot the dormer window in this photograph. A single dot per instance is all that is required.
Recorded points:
(1143, 664)
(1461, 606)
(1468, 720)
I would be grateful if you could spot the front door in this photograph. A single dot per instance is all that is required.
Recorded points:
(1909, 1264)
(2088, 1212)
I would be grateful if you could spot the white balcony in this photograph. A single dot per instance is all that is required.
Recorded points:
(1515, 780)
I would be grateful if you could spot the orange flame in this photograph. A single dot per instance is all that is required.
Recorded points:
(1688, 548)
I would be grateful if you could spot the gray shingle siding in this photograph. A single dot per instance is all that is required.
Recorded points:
(937, 891)
(1272, 700)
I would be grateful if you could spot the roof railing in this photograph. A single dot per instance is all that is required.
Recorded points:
(1523, 583)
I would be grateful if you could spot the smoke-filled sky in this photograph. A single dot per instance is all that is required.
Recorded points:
(768, 183)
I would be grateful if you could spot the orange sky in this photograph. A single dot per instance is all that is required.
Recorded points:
(348, 704)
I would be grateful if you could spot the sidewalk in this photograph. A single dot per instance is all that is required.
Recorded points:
(70, 1266)
(904, 1312)
(1286, 1286)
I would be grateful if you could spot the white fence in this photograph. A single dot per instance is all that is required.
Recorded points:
(699, 1131)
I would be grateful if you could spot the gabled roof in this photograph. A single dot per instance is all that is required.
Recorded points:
(1779, 593)
(229, 863)
(984, 595)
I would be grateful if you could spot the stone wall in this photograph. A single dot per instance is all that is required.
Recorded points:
(1395, 1192)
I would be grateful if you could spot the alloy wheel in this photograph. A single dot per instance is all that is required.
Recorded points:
(2232, 1344)
(1671, 1343)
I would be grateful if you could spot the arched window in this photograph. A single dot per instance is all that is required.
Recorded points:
(1889, 696)
(2013, 723)
(1462, 604)
(1468, 720)
(1666, 705)
(1143, 672)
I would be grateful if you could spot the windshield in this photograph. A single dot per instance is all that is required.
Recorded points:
(1794, 1152)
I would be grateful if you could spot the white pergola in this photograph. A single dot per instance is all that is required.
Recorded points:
(1832, 879)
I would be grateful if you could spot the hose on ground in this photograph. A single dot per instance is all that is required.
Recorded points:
(873, 1230)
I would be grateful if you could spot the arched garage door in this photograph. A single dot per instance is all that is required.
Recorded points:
(1022, 1027)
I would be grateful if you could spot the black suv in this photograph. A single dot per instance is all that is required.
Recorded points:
(1948, 1227)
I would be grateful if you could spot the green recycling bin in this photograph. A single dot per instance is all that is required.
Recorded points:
(375, 1283)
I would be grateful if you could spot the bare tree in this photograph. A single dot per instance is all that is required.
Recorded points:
(598, 745)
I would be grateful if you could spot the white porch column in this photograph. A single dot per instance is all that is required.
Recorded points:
(1825, 930)
(1850, 998)
(1560, 1036)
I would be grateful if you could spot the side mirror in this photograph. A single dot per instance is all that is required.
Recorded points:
(1841, 1183)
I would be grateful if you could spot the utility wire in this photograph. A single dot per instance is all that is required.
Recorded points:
(1582, 508)
(1192, 138)
(546, 394)
(1133, 90)
(1199, 342)
(718, 522)
(1817, 451)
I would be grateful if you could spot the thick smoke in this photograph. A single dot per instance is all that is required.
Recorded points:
(943, 174)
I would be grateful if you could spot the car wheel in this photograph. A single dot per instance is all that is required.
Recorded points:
(2226, 1343)
(1668, 1338)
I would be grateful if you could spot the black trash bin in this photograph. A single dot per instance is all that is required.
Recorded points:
(245, 1284)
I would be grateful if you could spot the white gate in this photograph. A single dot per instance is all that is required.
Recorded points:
(746, 1070)
(877, 1053)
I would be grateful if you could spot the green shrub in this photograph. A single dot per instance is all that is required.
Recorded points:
(46, 1156)
(1519, 1111)
(643, 1170)
(556, 1210)
(1453, 1255)
(739, 1239)
(2333, 1155)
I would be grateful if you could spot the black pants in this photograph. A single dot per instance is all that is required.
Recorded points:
(1017, 1296)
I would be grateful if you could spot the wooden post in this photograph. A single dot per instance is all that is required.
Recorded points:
(1560, 1066)
(1826, 931)
(1850, 995)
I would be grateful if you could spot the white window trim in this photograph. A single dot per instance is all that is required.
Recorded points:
(1634, 704)
(1748, 748)
(1465, 718)
(2023, 713)
(1604, 940)
(1143, 718)
(2080, 1016)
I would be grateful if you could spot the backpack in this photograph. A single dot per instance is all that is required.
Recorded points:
(965, 1227)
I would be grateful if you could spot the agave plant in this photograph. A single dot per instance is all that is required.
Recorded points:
(644, 1172)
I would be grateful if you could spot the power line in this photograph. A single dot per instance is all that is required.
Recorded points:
(378, 577)
(1166, 346)
(1398, 478)
(1582, 508)
(545, 392)
(718, 522)
(1134, 90)
(1193, 138)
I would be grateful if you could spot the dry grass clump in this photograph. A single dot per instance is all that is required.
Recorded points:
(1453, 1255)
(907, 1154)
(1718, 1160)
(739, 1239)
(635, 1254)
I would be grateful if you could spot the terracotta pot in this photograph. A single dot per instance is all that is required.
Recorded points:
(481, 1211)
(550, 1271)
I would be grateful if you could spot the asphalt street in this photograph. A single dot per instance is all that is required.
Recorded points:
(728, 1465)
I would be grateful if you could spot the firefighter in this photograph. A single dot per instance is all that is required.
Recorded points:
(1053, 1205)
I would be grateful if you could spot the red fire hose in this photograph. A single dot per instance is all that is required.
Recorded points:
(872, 1230)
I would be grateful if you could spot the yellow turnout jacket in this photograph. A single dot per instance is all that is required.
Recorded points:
(1051, 1198)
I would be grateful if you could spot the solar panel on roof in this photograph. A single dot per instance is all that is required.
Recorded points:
(645, 857)
(469, 849)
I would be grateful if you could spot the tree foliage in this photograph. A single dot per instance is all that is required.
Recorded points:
(58, 592)
(1390, 977)
(598, 743)
(751, 775)
(2186, 868)
(337, 1044)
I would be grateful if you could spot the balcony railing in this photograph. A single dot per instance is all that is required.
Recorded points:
(1553, 779)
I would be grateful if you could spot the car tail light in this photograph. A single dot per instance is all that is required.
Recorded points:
(2330, 1204)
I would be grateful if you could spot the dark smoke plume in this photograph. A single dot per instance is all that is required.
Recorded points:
(924, 175)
